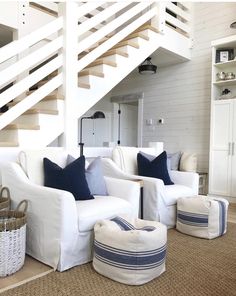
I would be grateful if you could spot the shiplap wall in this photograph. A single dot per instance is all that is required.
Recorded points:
(180, 94)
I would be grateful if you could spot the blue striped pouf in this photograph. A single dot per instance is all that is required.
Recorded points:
(202, 216)
(130, 252)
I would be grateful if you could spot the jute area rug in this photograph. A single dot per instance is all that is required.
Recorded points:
(195, 267)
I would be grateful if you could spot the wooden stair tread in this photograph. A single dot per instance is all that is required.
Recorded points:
(136, 35)
(52, 75)
(126, 42)
(91, 72)
(47, 98)
(52, 96)
(9, 144)
(100, 62)
(96, 44)
(147, 27)
(41, 111)
(43, 9)
(115, 51)
(83, 85)
(21, 126)
(38, 84)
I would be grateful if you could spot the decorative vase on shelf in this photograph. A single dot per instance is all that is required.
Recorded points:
(226, 94)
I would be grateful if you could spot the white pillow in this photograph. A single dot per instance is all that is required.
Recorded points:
(188, 162)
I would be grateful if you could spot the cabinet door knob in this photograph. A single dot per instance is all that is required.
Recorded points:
(233, 148)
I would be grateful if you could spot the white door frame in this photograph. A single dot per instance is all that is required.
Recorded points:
(128, 98)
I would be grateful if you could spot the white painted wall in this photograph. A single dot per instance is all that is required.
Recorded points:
(181, 93)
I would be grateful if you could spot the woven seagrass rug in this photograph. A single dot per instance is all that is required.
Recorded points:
(195, 267)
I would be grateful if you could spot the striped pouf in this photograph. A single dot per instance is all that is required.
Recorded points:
(202, 216)
(130, 252)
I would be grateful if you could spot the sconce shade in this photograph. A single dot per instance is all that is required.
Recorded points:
(98, 114)
(147, 67)
(233, 25)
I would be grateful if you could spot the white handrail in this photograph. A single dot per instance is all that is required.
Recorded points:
(30, 60)
(87, 7)
(181, 18)
(91, 23)
(18, 46)
(89, 41)
(178, 11)
(177, 23)
(90, 57)
(24, 84)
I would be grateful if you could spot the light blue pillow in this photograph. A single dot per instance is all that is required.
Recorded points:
(94, 176)
(174, 160)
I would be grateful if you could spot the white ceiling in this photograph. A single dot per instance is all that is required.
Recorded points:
(163, 58)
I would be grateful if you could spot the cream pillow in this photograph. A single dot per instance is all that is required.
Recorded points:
(188, 162)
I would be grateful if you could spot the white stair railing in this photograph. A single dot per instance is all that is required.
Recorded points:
(101, 25)
(125, 13)
(178, 17)
(48, 55)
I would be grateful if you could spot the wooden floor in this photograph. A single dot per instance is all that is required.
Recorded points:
(33, 268)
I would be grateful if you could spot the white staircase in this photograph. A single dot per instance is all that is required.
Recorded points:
(59, 80)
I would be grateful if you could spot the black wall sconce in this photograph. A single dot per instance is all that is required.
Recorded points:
(96, 115)
(233, 25)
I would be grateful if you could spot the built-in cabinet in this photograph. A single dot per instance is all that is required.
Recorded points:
(222, 168)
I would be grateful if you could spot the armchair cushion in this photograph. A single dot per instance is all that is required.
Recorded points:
(157, 168)
(174, 192)
(71, 178)
(89, 212)
(94, 176)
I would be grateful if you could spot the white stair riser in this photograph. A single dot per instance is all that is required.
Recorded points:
(84, 79)
(38, 138)
(47, 104)
(45, 135)
(8, 136)
(28, 119)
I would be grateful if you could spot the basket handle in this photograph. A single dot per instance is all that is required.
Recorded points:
(7, 191)
(25, 206)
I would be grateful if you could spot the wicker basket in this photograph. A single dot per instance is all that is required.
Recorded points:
(5, 201)
(12, 239)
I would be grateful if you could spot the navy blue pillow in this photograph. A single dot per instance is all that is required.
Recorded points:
(71, 178)
(156, 168)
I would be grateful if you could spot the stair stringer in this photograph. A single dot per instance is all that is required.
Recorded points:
(86, 98)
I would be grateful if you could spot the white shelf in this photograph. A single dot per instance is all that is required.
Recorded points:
(225, 64)
(225, 82)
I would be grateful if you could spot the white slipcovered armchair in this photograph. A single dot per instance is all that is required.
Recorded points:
(59, 228)
(159, 200)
